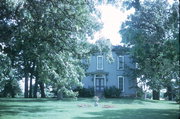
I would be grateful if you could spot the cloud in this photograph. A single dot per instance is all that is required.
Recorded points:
(112, 18)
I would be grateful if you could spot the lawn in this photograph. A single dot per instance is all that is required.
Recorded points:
(83, 108)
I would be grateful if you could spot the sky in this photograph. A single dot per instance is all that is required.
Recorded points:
(112, 19)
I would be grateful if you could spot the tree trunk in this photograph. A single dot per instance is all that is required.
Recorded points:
(59, 95)
(12, 94)
(156, 94)
(26, 85)
(31, 77)
(35, 88)
(169, 92)
(42, 89)
(30, 86)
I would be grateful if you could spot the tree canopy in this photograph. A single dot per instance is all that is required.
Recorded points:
(152, 33)
(45, 40)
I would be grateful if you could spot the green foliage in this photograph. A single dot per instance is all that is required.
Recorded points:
(5, 68)
(48, 39)
(131, 3)
(112, 92)
(104, 46)
(85, 92)
(10, 86)
(140, 92)
(152, 34)
(177, 98)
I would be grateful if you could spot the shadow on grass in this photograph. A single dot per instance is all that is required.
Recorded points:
(134, 101)
(133, 114)
(121, 101)
(27, 99)
(16, 109)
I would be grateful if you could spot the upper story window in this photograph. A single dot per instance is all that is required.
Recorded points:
(120, 63)
(99, 62)
(137, 66)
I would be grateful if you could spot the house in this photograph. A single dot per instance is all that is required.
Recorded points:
(102, 74)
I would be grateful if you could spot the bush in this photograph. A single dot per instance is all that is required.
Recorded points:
(140, 92)
(112, 92)
(11, 88)
(177, 95)
(177, 99)
(85, 92)
(1, 94)
(70, 94)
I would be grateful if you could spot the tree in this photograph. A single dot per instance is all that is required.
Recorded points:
(48, 40)
(11, 85)
(152, 34)
(103, 46)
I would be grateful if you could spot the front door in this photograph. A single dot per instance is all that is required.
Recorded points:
(99, 85)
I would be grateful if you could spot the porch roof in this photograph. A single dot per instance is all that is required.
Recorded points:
(97, 72)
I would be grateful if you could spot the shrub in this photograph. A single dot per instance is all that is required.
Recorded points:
(140, 92)
(112, 92)
(1, 94)
(11, 88)
(85, 92)
(177, 99)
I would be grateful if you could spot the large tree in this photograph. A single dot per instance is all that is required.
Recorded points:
(152, 34)
(47, 40)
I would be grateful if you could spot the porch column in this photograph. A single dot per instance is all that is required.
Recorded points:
(105, 83)
(94, 77)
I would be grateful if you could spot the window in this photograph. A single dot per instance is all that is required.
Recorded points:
(120, 63)
(137, 66)
(99, 62)
(121, 83)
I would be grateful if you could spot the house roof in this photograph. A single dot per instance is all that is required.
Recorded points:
(120, 50)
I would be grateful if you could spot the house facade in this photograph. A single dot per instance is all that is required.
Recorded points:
(102, 74)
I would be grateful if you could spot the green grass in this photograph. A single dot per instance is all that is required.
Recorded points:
(20, 108)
